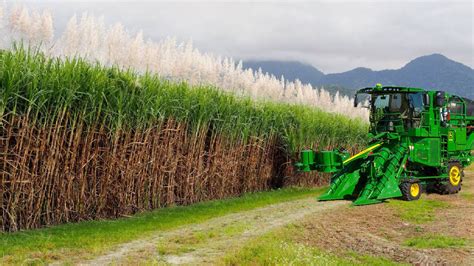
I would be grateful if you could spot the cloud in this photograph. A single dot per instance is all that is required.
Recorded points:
(333, 36)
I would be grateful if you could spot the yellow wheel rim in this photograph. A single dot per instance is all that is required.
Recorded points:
(415, 189)
(454, 175)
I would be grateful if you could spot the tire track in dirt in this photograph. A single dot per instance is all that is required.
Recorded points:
(211, 239)
(378, 230)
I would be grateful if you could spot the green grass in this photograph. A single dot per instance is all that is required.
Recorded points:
(435, 241)
(280, 248)
(91, 237)
(419, 211)
(364, 259)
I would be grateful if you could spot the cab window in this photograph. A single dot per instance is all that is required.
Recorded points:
(417, 103)
(456, 107)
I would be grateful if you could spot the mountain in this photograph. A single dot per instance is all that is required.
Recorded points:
(435, 72)
(292, 70)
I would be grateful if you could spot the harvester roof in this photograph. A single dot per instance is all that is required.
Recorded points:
(389, 89)
(379, 89)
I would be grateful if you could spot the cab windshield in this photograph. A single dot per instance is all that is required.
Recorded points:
(388, 103)
(397, 109)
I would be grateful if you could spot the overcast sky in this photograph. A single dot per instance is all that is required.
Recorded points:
(333, 36)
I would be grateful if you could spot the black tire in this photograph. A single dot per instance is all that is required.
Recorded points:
(454, 183)
(411, 190)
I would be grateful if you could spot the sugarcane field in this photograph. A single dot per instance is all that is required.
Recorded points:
(236, 133)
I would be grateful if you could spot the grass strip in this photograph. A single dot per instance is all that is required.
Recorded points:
(436, 241)
(419, 211)
(281, 247)
(91, 237)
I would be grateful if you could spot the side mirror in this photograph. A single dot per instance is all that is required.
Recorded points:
(440, 98)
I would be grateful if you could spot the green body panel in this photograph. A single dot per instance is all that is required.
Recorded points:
(470, 142)
(307, 161)
(322, 161)
(342, 186)
(414, 135)
(426, 151)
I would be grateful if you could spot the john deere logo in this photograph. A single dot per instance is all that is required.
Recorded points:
(450, 135)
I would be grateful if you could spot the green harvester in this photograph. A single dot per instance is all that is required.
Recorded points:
(419, 141)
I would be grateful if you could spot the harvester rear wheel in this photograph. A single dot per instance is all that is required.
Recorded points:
(410, 190)
(454, 182)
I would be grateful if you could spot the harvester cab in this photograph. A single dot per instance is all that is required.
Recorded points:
(418, 141)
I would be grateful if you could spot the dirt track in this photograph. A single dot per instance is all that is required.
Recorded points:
(205, 242)
(375, 230)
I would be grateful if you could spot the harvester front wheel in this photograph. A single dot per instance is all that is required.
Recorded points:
(453, 184)
(410, 190)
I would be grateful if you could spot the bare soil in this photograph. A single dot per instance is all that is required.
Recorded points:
(378, 230)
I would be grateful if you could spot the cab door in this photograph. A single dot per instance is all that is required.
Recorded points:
(457, 134)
